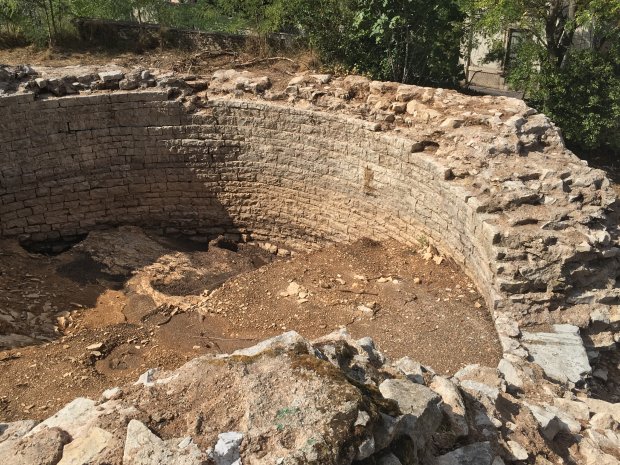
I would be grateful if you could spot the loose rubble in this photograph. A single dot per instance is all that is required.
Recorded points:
(331, 401)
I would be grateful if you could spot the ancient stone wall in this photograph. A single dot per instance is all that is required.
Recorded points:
(500, 194)
(272, 173)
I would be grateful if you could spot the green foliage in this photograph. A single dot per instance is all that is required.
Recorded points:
(568, 63)
(37, 20)
(46, 21)
(583, 98)
(414, 41)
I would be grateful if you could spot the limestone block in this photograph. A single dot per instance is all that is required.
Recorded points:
(561, 354)
(478, 453)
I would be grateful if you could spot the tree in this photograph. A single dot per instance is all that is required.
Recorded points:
(411, 41)
(416, 41)
(567, 63)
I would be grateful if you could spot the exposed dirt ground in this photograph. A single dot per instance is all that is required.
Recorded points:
(279, 71)
(123, 301)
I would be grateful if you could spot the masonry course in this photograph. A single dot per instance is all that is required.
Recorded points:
(486, 180)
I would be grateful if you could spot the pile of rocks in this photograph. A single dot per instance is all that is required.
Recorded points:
(26, 79)
(333, 401)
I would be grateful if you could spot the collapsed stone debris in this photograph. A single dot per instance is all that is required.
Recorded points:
(331, 401)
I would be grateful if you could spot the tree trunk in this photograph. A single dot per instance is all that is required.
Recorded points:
(551, 31)
(569, 30)
(50, 34)
(53, 18)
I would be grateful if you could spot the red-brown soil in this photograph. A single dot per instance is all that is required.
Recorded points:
(124, 301)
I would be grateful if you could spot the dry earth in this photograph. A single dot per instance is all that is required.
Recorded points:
(123, 301)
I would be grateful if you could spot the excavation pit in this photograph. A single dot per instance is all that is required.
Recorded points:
(451, 229)
(152, 301)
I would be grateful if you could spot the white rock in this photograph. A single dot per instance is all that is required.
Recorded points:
(146, 378)
(518, 451)
(567, 422)
(453, 405)
(368, 345)
(510, 373)
(15, 430)
(593, 455)
(560, 354)
(548, 422)
(366, 449)
(322, 78)
(109, 76)
(86, 449)
(283, 341)
(111, 394)
(419, 404)
(600, 406)
(411, 369)
(507, 325)
(600, 315)
(226, 451)
(478, 453)
(292, 290)
(576, 409)
(74, 418)
(603, 421)
(482, 380)
(605, 439)
(480, 388)
(142, 447)
(362, 418)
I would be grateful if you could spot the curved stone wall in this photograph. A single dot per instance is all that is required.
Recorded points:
(531, 240)
(272, 173)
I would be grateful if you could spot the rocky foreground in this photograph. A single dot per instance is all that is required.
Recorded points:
(331, 401)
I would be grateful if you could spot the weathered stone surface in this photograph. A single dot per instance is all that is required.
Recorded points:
(231, 80)
(510, 373)
(226, 451)
(481, 380)
(43, 448)
(285, 341)
(453, 404)
(15, 430)
(75, 418)
(142, 447)
(548, 422)
(86, 449)
(578, 410)
(603, 421)
(109, 76)
(518, 451)
(416, 401)
(561, 353)
(474, 454)
(600, 406)
(411, 369)
(593, 455)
